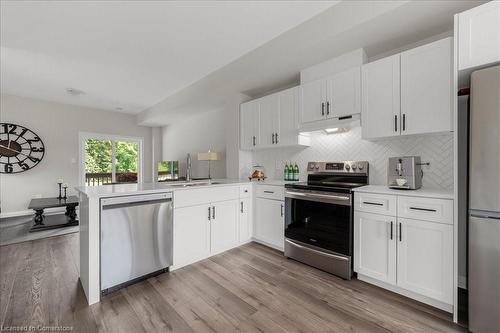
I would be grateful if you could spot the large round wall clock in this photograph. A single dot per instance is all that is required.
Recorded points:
(20, 148)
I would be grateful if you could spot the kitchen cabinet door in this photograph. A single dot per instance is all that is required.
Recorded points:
(344, 93)
(425, 258)
(426, 88)
(479, 36)
(224, 226)
(269, 222)
(312, 97)
(288, 124)
(249, 125)
(375, 246)
(245, 220)
(269, 119)
(191, 234)
(380, 115)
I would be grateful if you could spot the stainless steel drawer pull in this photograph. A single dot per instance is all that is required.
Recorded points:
(423, 209)
(271, 192)
(372, 203)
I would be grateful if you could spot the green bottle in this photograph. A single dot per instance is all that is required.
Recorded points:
(296, 172)
(290, 171)
(285, 172)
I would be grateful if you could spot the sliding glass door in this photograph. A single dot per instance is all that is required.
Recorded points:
(111, 160)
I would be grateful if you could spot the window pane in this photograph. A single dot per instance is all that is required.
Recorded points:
(126, 161)
(98, 162)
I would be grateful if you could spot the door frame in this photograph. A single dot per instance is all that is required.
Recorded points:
(82, 136)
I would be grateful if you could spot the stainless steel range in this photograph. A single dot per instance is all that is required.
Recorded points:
(319, 215)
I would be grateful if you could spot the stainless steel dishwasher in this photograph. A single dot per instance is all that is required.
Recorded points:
(136, 238)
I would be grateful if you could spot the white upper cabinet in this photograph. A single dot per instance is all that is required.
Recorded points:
(249, 124)
(312, 101)
(408, 93)
(344, 93)
(287, 132)
(426, 83)
(271, 121)
(336, 96)
(381, 98)
(479, 36)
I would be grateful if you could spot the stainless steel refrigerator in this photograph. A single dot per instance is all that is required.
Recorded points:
(484, 201)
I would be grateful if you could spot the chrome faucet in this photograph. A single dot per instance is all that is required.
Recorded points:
(188, 168)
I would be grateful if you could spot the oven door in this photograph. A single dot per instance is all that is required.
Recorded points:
(321, 219)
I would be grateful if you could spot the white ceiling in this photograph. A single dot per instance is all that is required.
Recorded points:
(132, 54)
(380, 27)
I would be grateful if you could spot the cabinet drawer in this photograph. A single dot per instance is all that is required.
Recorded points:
(245, 191)
(270, 192)
(427, 209)
(198, 196)
(375, 203)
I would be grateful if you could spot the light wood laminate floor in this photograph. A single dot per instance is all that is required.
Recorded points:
(248, 289)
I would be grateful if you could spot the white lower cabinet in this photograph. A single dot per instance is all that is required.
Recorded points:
(203, 228)
(410, 256)
(191, 234)
(269, 222)
(425, 258)
(375, 254)
(245, 232)
(224, 226)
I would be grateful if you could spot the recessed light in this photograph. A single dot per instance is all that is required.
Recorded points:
(336, 130)
(74, 91)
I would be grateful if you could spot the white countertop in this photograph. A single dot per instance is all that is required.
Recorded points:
(421, 192)
(144, 188)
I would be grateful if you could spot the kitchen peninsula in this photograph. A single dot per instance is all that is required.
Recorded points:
(208, 218)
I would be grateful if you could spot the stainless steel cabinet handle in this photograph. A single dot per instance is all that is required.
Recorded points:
(395, 123)
(213, 212)
(253, 138)
(404, 122)
(276, 138)
(423, 209)
(372, 203)
(322, 108)
(327, 108)
(241, 204)
(400, 233)
(269, 192)
(391, 230)
(281, 210)
(209, 218)
(272, 138)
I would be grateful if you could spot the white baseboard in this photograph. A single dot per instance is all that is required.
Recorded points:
(462, 282)
(48, 211)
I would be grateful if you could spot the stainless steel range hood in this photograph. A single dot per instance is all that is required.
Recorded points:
(341, 123)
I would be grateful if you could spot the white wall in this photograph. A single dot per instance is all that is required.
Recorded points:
(58, 126)
(195, 134)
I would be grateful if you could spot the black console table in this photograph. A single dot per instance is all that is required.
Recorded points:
(43, 222)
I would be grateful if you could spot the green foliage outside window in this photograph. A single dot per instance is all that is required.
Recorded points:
(98, 156)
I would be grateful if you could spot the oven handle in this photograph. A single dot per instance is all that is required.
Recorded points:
(316, 251)
(330, 198)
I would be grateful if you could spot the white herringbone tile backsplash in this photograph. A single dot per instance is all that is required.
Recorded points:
(436, 149)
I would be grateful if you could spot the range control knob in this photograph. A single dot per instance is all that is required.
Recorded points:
(347, 167)
(360, 166)
(316, 167)
(354, 167)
